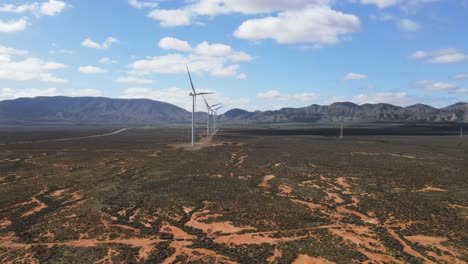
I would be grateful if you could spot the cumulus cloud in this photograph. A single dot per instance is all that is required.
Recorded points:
(134, 80)
(381, 3)
(106, 60)
(26, 69)
(91, 70)
(49, 8)
(405, 5)
(336, 23)
(462, 76)
(277, 95)
(13, 93)
(141, 4)
(181, 98)
(89, 43)
(172, 18)
(395, 98)
(440, 86)
(215, 59)
(437, 86)
(314, 24)
(408, 25)
(170, 43)
(441, 56)
(10, 26)
(52, 7)
(355, 76)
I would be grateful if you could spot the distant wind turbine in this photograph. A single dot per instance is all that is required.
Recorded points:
(208, 116)
(341, 131)
(216, 116)
(194, 101)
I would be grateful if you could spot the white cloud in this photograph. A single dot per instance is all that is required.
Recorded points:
(314, 24)
(461, 76)
(181, 98)
(395, 98)
(83, 92)
(170, 43)
(408, 25)
(205, 48)
(171, 18)
(216, 59)
(406, 5)
(461, 91)
(89, 43)
(140, 4)
(248, 7)
(26, 69)
(61, 51)
(355, 76)
(49, 8)
(196, 8)
(52, 7)
(437, 86)
(381, 3)
(11, 51)
(441, 56)
(134, 80)
(106, 60)
(242, 76)
(91, 70)
(277, 95)
(11, 93)
(10, 26)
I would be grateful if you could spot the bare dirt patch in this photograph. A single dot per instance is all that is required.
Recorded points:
(306, 259)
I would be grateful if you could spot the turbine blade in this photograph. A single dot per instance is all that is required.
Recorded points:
(203, 93)
(206, 103)
(190, 77)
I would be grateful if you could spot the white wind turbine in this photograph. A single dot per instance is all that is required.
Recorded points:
(215, 116)
(208, 112)
(194, 101)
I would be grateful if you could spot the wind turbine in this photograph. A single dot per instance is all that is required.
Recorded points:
(341, 131)
(194, 101)
(216, 116)
(213, 116)
(208, 111)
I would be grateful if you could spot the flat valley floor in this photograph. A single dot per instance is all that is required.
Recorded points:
(247, 196)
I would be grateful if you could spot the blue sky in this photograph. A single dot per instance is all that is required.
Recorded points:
(254, 54)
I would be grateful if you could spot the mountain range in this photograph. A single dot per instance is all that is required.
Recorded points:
(100, 110)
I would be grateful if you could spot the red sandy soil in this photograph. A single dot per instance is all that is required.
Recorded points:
(195, 254)
(145, 244)
(178, 233)
(277, 253)
(306, 259)
(407, 248)
(225, 227)
(265, 181)
(38, 208)
(4, 223)
(285, 190)
(384, 154)
(431, 188)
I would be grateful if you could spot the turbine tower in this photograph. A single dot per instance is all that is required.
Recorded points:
(213, 116)
(208, 117)
(341, 131)
(216, 116)
(194, 101)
